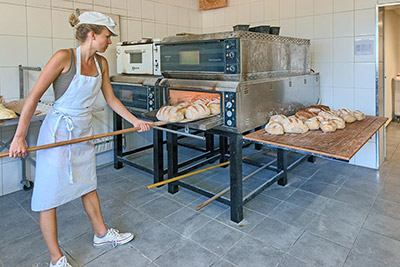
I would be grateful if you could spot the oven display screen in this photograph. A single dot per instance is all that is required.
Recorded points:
(135, 58)
(189, 57)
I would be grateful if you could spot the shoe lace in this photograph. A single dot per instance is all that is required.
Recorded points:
(115, 235)
(63, 263)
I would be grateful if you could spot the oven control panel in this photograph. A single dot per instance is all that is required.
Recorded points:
(231, 48)
(151, 103)
(230, 109)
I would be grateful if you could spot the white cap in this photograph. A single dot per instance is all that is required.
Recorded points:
(97, 18)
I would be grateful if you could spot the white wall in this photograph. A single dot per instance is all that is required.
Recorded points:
(347, 80)
(32, 30)
(392, 57)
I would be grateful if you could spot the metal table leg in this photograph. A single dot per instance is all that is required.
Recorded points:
(117, 141)
(223, 147)
(282, 166)
(172, 148)
(235, 142)
(158, 157)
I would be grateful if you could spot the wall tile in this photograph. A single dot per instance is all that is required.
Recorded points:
(343, 49)
(326, 73)
(147, 10)
(288, 27)
(208, 19)
(364, 75)
(39, 3)
(343, 24)
(365, 22)
(160, 12)
(364, 100)
(183, 17)
(271, 9)
(11, 171)
(287, 9)
(194, 19)
(102, 9)
(304, 8)
(323, 26)
(63, 4)
(39, 51)
(123, 29)
(323, 50)
(134, 8)
(172, 15)
(106, 3)
(219, 17)
(9, 83)
(304, 27)
(39, 22)
(61, 28)
(257, 12)
(172, 29)
(62, 44)
(161, 30)
(323, 7)
(12, 19)
(17, 2)
(118, 11)
(343, 75)
(327, 96)
(83, 6)
(366, 58)
(148, 29)
(244, 14)
(343, 98)
(366, 156)
(134, 30)
(361, 4)
(120, 4)
(14, 51)
(343, 5)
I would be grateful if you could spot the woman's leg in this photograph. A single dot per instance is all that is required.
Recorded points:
(48, 225)
(92, 207)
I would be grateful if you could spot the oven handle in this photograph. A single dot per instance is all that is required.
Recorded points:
(179, 133)
(134, 51)
(190, 42)
(130, 84)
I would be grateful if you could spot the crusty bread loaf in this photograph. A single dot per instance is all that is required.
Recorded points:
(359, 115)
(214, 106)
(279, 118)
(348, 117)
(327, 126)
(327, 115)
(304, 115)
(197, 111)
(317, 108)
(6, 113)
(294, 125)
(202, 101)
(313, 123)
(274, 128)
(340, 123)
(336, 112)
(170, 114)
(344, 111)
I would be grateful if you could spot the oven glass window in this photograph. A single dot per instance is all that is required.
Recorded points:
(189, 57)
(135, 58)
(126, 95)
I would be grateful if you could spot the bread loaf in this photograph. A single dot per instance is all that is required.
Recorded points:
(327, 115)
(304, 115)
(336, 112)
(313, 123)
(202, 101)
(170, 114)
(359, 115)
(6, 113)
(279, 118)
(327, 126)
(197, 111)
(274, 128)
(348, 117)
(317, 108)
(215, 107)
(340, 123)
(294, 125)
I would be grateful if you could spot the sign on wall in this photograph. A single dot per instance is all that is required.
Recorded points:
(364, 47)
(211, 4)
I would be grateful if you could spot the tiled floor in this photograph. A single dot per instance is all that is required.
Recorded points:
(330, 214)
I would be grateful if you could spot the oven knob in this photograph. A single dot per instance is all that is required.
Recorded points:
(150, 109)
(229, 104)
(229, 113)
(232, 68)
(150, 102)
(229, 122)
(231, 55)
(150, 95)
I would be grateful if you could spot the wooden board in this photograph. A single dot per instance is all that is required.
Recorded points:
(341, 144)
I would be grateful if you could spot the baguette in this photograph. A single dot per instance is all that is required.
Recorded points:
(170, 114)
(294, 125)
(197, 111)
(304, 115)
(274, 128)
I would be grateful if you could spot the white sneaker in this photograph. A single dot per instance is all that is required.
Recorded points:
(62, 262)
(112, 237)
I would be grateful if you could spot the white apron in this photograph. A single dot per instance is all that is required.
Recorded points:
(67, 172)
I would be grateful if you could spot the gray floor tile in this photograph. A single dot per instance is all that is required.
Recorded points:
(160, 208)
(290, 261)
(263, 204)
(383, 225)
(292, 214)
(123, 186)
(139, 196)
(113, 208)
(120, 256)
(356, 259)
(275, 233)
(250, 219)
(367, 175)
(279, 192)
(307, 200)
(358, 184)
(390, 192)
(334, 229)
(305, 170)
(223, 263)
(386, 207)
(8, 203)
(44, 259)
(82, 250)
(346, 212)
(216, 237)
(155, 240)
(252, 252)
(379, 247)
(327, 176)
(69, 227)
(186, 221)
(134, 221)
(214, 209)
(295, 180)
(354, 198)
(319, 188)
(318, 251)
(183, 196)
(186, 253)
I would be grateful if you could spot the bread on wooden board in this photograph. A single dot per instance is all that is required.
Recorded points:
(274, 128)
(327, 126)
(294, 125)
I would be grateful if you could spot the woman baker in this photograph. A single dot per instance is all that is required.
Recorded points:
(67, 172)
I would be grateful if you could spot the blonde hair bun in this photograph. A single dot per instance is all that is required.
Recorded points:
(73, 20)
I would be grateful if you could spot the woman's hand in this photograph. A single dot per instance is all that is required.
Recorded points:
(18, 148)
(144, 125)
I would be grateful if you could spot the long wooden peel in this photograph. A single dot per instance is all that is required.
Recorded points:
(79, 140)
(198, 171)
(221, 193)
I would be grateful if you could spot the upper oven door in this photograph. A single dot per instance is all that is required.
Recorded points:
(135, 59)
(211, 56)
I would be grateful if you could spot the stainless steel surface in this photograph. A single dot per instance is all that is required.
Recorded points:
(150, 80)
(206, 124)
(261, 56)
(179, 133)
